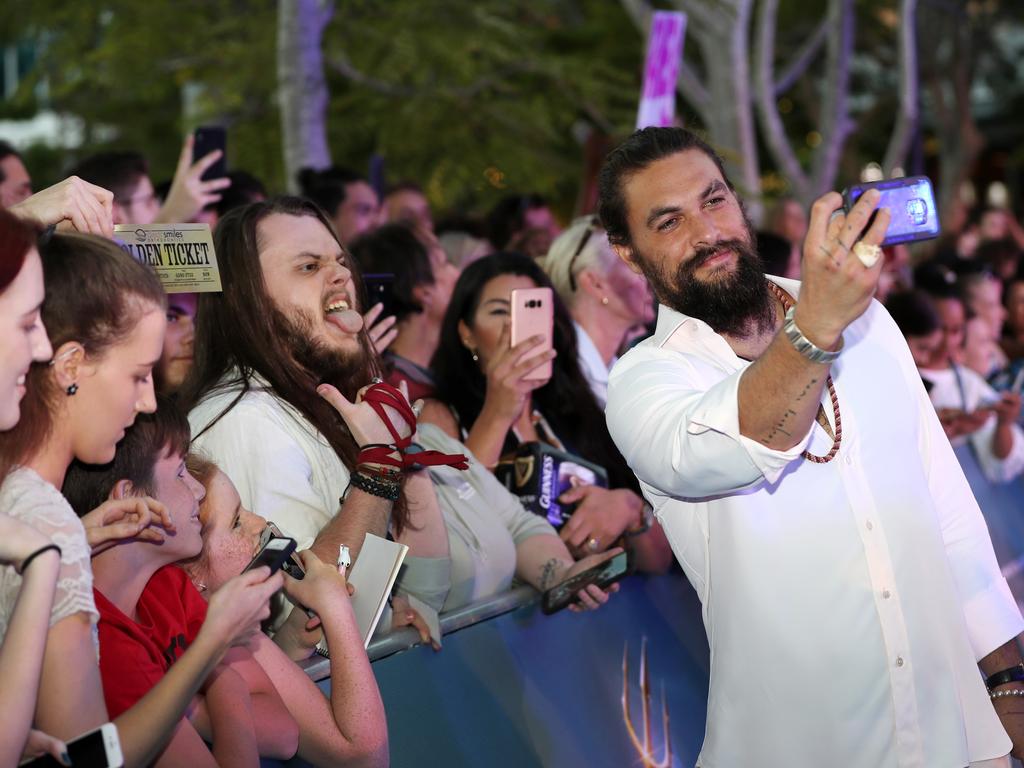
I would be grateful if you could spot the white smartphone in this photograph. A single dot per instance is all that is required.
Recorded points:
(98, 749)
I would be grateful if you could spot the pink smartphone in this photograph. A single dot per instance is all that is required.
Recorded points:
(533, 315)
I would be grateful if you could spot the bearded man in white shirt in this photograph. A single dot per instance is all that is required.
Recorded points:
(849, 588)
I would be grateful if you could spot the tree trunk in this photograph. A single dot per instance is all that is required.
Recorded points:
(301, 85)
(834, 120)
(723, 99)
(906, 122)
(948, 84)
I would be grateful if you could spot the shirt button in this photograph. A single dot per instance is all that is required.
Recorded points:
(899, 661)
(870, 526)
(849, 459)
(886, 594)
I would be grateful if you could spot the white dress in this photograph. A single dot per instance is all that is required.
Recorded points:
(28, 497)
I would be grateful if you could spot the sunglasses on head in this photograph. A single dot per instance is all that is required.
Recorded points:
(592, 227)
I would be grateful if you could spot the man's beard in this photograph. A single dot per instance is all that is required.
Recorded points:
(738, 303)
(346, 370)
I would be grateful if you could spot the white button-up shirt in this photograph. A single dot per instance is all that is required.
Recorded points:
(592, 364)
(847, 603)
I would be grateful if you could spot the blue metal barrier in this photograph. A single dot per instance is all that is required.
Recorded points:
(523, 689)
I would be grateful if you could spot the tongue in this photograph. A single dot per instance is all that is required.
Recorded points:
(348, 320)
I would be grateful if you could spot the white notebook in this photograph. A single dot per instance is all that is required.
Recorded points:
(373, 575)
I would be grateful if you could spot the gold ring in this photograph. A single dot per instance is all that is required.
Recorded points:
(867, 253)
(594, 544)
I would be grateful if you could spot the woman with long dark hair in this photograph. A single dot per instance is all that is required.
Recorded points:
(485, 396)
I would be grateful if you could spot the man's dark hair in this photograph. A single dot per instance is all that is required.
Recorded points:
(506, 219)
(117, 171)
(403, 186)
(914, 313)
(566, 401)
(775, 252)
(640, 150)
(937, 280)
(395, 249)
(7, 150)
(327, 188)
(245, 188)
(238, 334)
(152, 437)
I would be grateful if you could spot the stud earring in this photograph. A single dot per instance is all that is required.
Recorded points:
(72, 389)
(604, 301)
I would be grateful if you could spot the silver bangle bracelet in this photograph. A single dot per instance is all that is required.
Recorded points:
(805, 346)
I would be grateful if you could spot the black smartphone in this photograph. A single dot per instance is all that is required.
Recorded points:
(100, 748)
(911, 203)
(603, 574)
(293, 565)
(274, 553)
(207, 138)
(380, 290)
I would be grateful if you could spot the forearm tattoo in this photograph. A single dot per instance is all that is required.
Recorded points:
(549, 574)
(781, 427)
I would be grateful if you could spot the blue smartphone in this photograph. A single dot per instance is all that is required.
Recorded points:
(911, 204)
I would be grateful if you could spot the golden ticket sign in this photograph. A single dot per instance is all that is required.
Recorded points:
(181, 254)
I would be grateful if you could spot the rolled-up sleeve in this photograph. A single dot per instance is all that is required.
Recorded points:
(678, 428)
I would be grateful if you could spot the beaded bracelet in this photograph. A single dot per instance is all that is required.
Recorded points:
(1002, 694)
(46, 548)
(383, 489)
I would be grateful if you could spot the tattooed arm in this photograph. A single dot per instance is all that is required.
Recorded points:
(543, 561)
(780, 392)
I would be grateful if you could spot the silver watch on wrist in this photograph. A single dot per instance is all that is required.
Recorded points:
(805, 346)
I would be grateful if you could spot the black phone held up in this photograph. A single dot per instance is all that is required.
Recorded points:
(911, 203)
(293, 565)
(206, 139)
(380, 290)
(274, 553)
(603, 574)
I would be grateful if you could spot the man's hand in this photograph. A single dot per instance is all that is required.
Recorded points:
(362, 421)
(1007, 410)
(189, 194)
(601, 517)
(84, 206)
(837, 287)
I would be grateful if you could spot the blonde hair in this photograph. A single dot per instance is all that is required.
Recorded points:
(563, 268)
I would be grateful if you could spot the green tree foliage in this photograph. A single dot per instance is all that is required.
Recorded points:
(470, 99)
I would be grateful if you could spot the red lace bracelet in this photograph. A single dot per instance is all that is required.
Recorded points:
(379, 395)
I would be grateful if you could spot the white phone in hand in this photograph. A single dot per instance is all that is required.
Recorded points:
(98, 749)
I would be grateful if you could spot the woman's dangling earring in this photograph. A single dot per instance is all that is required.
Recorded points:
(72, 389)
(476, 357)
